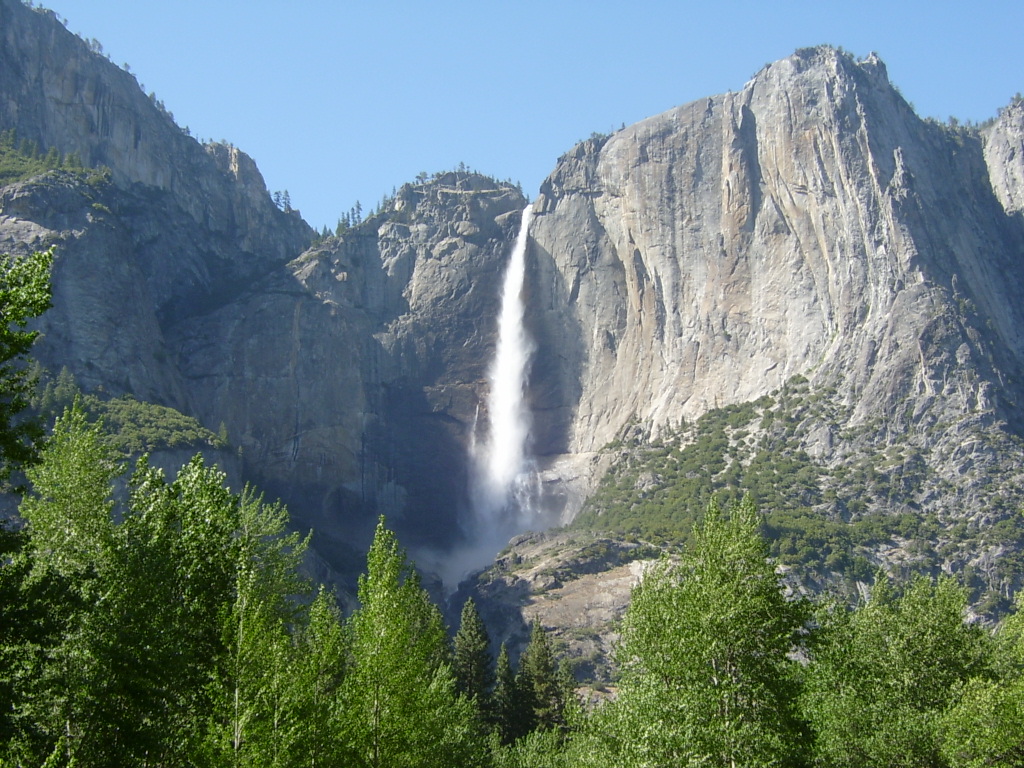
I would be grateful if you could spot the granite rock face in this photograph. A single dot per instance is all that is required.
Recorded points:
(57, 92)
(348, 375)
(808, 224)
(1003, 142)
(351, 378)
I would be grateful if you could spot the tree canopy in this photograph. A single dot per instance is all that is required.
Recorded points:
(707, 677)
(172, 625)
(25, 294)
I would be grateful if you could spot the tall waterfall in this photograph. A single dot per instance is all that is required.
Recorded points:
(502, 462)
(502, 492)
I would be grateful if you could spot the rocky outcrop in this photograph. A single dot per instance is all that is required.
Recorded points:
(351, 378)
(348, 379)
(348, 376)
(57, 92)
(1004, 153)
(809, 223)
(574, 584)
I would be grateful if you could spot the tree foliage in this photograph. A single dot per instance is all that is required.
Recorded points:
(130, 425)
(168, 619)
(511, 716)
(399, 691)
(69, 507)
(881, 676)
(706, 674)
(471, 661)
(985, 724)
(24, 294)
(173, 627)
(543, 690)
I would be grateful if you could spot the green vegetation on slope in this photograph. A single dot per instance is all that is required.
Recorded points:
(131, 426)
(20, 160)
(821, 518)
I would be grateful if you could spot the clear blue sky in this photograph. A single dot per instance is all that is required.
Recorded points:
(342, 100)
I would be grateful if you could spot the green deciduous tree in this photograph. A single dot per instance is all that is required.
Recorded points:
(38, 610)
(537, 749)
(70, 564)
(706, 674)
(985, 727)
(24, 295)
(161, 635)
(985, 724)
(254, 718)
(317, 675)
(69, 507)
(880, 677)
(398, 697)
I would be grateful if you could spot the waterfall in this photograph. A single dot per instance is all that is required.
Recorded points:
(504, 482)
(502, 462)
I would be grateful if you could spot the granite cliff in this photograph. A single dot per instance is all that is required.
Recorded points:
(351, 377)
(808, 226)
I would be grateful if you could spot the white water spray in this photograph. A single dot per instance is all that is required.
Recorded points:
(502, 464)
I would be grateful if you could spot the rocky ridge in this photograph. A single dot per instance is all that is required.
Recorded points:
(352, 377)
(1003, 140)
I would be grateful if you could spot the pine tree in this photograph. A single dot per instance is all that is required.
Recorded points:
(509, 711)
(538, 681)
(472, 658)
(344, 224)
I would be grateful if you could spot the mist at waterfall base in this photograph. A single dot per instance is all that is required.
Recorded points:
(505, 486)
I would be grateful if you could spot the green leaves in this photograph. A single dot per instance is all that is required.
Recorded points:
(69, 507)
(398, 694)
(24, 294)
(706, 673)
(168, 632)
(985, 724)
(165, 630)
(880, 677)
(159, 634)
